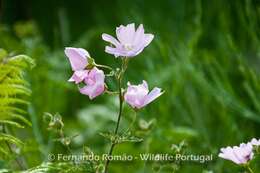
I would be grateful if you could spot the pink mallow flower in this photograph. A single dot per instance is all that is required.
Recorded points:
(138, 96)
(95, 83)
(129, 42)
(78, 58)
(238, 155)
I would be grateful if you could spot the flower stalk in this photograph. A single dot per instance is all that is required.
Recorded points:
(121, 101)
(249, 169)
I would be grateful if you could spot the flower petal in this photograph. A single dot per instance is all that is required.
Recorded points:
(77, 58)
(145, 85)
(114, 51)
(148, 39)
(125, 34)
(95, 83)
(79, 76)
(110, 39)
(255, 142)
(139, 35)
(92, 91)
(156, 92)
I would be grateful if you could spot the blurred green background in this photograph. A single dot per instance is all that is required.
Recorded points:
(205, 55)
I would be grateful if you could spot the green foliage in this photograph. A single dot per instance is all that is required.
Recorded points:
(14, 92)
(61, 167)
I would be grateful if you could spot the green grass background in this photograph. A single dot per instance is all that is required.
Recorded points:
(205, 55)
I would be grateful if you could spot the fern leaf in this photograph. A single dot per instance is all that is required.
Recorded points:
(10, 101)
(12, 123)
(12, 109)
(11, 139)
(22, 61)
(14, 89)
(21, 118)
(2, 151)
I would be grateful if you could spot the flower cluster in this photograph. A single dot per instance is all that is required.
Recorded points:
(241, 154)
(93, 78)
(129, 43)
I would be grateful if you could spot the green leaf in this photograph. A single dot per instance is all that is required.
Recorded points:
(3, 151)
(12, 123)
(22, 61)
(133, 139)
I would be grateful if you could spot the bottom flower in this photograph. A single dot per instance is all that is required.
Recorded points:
(238, 155)
(138, 96)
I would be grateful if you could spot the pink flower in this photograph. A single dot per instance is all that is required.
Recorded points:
(238, 155)
(255, 142)
(129, 42)
(95, 83)
(138, 96)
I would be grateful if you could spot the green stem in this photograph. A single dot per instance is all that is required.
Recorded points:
(111, 92)
(121, 100)
(103, 66)
(117, 125)
(120, 107)
(249, 169)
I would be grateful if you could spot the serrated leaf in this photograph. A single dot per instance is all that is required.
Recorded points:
(133, 139)
(121, 139)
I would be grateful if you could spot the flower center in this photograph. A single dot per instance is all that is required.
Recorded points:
(128, 46)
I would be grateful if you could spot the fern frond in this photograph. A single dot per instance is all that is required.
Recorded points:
(14, 91)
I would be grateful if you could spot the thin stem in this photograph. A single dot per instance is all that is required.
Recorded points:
(120, 106)
(249, 169)
(117, 124)
(104, 66)
(120, 96)
(111, 92)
